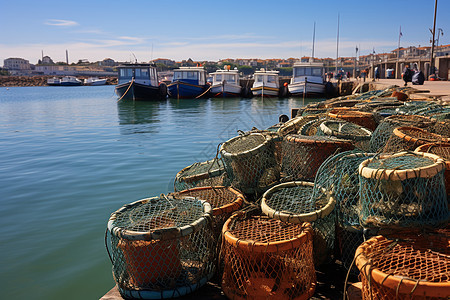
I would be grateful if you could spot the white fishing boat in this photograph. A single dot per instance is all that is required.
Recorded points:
(308, 79)
(95, 81)
(266, 83)
(70, 81)
(55, 81)
(225, 83)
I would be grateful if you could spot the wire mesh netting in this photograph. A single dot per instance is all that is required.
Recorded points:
(265, 257)
(303, 155)
(311, 127)
(224, 201)
(402, 190)
(409, 138)
(384, 130)
(293, 125)
(295, 202)
(442, 128)
(361, 118)
(208, 173)
(161, 247)
(348, 131)
(412, 267)
(250, 162)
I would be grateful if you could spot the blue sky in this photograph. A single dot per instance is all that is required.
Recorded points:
(212, 30)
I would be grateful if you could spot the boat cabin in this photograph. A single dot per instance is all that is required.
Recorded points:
(228, 76)
(141, 73)
(192, 75)
(312, 71)
(266, 78)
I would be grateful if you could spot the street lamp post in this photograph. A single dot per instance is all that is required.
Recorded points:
(432, 43)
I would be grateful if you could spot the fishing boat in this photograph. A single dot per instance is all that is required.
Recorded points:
(139, 82)
(307, 78)
(188, 82)
(70, 81)
(266, 83)
(95, 81)
(225, 83)
(55, 81)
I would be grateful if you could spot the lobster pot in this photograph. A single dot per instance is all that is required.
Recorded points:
(303, 155)
(250, 162)
(311, 127)
(161, 248)
(361, 118)
(295, 202)
(402, 190)
(314, 111)
(347, 131)
(293, 125)
(384, 130)
(349, 238)
(208, 173)
(441, 128)
(442, 150)
(265, 258)
(409, 138)
(413, 267)
(223, 200)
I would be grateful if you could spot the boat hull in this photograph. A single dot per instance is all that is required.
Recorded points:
(96, 82)
(265, 91)
(138, 92)
(226, 90)
(183, 90)
(70, 84)
(311, 88)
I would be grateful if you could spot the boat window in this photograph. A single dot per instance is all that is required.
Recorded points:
(191, 75)
(126, 73)
(258, 78)
(317, 71)
(218, 77)
(137, 73)
(177, 75)
(299, 72)
(308, 71)
(144, 74)
(271, 78)
(230, 78)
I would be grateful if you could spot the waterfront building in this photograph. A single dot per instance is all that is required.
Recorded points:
(17, 66)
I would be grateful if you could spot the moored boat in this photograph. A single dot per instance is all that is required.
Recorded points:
(70, 81)
(139, 82)
(95, 81)
(188, 82)
(308, 79)
(225, 83)
(54, 81)
(266, 83)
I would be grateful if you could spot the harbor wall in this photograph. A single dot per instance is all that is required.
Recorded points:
(10, 81)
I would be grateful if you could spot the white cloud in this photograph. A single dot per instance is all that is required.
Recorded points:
(56, 22)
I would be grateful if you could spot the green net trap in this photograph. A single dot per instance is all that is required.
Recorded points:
(303, 155)
(293, 202)
(250, 162)
(311, 127)
(384, 130)
(409, 138)
(293, 125)
(402, 190)
(266, 258)
(161, 247)
(347, 131)
(208, 173)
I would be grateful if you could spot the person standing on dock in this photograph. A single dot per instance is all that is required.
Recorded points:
(407, 75)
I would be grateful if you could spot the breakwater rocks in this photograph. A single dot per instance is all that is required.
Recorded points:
(9, 81)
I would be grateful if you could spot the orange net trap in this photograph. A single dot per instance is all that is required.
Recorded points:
(265, 257)
(414, 267)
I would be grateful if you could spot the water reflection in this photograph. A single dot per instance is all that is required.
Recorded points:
(138, 116)
(192, 105)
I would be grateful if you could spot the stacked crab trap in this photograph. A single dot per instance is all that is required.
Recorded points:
(161, 248)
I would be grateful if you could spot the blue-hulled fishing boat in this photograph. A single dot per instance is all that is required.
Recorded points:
(139, 82)
(188, 82)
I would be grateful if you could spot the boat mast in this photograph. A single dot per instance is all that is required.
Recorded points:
(314, 38)
(337, 46)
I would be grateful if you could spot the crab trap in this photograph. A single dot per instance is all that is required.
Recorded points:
(250, 162)
(413, 267)
(265, 258)
(405, 189)
(409, 138)
(161, 248)
(361, 118)
(384, 130)
(208, 173)
(347, 131)
(296, 202)
(303, 155)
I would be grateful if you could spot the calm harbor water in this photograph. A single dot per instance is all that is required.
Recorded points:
(70, 156)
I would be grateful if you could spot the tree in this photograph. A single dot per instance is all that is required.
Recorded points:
(285, 71)
(246, 70)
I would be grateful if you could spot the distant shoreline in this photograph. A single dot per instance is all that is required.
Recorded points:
(18, 81)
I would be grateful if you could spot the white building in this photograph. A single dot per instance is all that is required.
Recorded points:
(17, 66)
